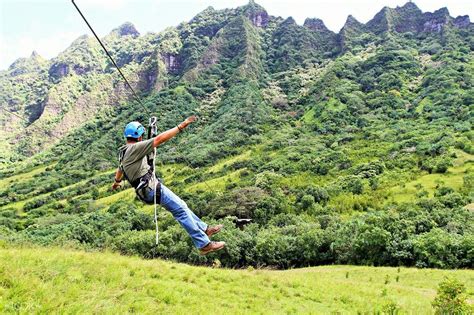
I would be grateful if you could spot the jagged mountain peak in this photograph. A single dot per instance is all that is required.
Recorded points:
(34, 54)
(197, 42)
(289, 21)
(442, 12)
(410, 5)
(350, 26)
(352, 21)
(351, 29)
(316, 24)
(256, 13)
(80, 40)
(255, 5)
(381, 22)
(409, 18)
(126, 29)
(206, 11)
(26, 64)
(462, 21)
(409, 8)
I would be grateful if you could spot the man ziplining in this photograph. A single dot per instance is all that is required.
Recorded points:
(134, 166)
(140, 174)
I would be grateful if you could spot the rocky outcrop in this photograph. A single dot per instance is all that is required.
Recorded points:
(58, 70)
(126, 29)
(407, 18)
(462, 21)
(256, 14)
(35, 55)
(352, 25)
(81, 57)
(260, 19)
(25, 65)
(320, 37)
(289, 21)
(172, 62)
(381, 22)
(351, 29)
(316, 25)
(435, 22)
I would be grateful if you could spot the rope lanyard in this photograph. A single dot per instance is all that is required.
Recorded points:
(154, 201)
(152, 132)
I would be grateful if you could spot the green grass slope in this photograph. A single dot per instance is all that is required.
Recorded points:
(39, 280)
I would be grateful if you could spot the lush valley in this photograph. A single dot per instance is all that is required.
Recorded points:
(347, 148)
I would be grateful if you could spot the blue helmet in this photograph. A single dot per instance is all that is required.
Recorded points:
(134, 130)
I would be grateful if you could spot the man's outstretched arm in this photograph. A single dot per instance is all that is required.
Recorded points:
(168, 134)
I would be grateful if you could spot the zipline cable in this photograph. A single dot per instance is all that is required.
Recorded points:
(111, 59)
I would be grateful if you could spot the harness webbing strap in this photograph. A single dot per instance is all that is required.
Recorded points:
(121, 155)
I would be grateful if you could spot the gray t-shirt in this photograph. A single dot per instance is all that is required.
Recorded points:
(134, 161)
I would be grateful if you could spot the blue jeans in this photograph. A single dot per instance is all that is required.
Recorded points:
(181, 212)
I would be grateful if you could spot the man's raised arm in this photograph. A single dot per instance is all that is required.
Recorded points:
(168, 134)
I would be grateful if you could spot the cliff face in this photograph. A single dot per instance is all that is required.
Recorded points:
(256, 14)
(221, 46)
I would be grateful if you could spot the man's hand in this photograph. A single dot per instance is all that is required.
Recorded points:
(187, 122)
(191, 119)
(165, 136)
(117, 179)
(116, 185)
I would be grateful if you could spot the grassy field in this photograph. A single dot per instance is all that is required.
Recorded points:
(45, 280)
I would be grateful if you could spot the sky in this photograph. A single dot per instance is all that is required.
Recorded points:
(49, 26)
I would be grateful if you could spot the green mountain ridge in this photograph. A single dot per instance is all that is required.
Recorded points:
(312, 41)
(352, 147)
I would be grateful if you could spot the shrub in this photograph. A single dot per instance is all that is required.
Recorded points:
(451, 298)
(140, 243)
(437, 248)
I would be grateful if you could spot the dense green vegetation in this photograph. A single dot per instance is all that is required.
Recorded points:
(349, 148)
(51, 280)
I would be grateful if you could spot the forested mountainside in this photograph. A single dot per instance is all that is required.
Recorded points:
(350, 147)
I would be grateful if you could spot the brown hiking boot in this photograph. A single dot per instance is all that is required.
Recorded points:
(211, 230)
(211, 247)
